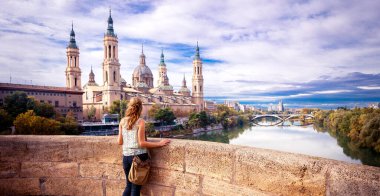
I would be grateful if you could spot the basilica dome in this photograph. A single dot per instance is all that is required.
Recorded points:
(142, 70)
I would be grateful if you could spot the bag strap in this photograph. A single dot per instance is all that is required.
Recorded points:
(137, 132)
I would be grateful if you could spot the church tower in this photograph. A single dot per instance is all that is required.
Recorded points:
(197, 93)
(73, 72)
(111, 65)
(163, 79)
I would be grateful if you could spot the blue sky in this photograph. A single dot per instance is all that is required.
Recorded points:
(253, 50)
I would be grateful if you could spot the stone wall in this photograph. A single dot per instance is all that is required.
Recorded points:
(88, 165)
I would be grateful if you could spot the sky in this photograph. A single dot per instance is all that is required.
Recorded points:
(253, 51)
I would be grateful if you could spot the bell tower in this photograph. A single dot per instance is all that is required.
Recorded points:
(197, 86)
(111, 66)
(73, 72)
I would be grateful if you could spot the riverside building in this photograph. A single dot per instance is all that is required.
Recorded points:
(114, 87)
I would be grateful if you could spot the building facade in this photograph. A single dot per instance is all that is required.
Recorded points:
(99, 97)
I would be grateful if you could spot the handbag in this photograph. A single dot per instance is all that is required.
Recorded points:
(139, 172)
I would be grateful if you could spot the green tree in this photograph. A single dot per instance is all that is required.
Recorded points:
(153, 110)
(119, 107)
(91, 113)
(43, 109)
(5, 120)
(165, 115)
(16, 103)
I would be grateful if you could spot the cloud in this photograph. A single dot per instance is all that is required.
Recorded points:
(251, 49)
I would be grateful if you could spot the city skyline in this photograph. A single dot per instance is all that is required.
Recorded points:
(290, 50)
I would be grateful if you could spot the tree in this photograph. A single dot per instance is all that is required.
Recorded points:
(28, 123)
(165, 115)
(119, 107)
(16, 103)
(153, 110)
(91, 113)
(43, 109)
(5, 120)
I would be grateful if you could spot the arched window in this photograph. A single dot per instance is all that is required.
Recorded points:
(200, 88)
(114, 52)
(109, 51)
(71, 61)
(75, 81)
(198, 70)
(75, 61)
(106, 76)
(114, 76)
(195, 88)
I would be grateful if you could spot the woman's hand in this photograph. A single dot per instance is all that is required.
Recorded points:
(164, 142)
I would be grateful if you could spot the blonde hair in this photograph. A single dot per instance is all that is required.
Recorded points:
(133, 112)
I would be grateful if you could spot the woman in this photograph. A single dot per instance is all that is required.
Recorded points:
(132, 137)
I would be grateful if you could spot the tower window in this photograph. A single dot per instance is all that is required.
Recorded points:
(114, 76)
(75, 81)
(106, 76)
(109, 51)
(198, 70)
(75, 61)
(195, 88)
(114, 51)
(200, 88)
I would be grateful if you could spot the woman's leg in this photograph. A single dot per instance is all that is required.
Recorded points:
(127, 167)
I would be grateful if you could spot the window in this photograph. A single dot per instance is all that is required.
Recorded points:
(200, 88)
(75, 81)
(106, 76)
(74, 104)
(75, 61)
(56, 103)
(114, 76)
(195, 88)
(114, 53)
(109, 51)
(1, 102)
(49, 102)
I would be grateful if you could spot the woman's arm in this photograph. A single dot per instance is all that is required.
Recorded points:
(145, 144)
(120, 137)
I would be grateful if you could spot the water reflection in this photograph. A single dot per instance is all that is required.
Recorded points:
(293, 137)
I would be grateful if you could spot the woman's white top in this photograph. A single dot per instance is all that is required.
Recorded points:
(130, 140)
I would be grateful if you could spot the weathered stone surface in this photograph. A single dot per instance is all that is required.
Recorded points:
(210, 159)
(46, 151)
(20, 186)
(172, 178)
(157, 190)
(108, 152)
(115, 187)
(101, 170)
(350, 179)
(81, 151)
(184, 192)
(170, 157)
(212, 186)
(48, 169)
(280, 172)
(9, 169)
(72, 186)
(12, 150)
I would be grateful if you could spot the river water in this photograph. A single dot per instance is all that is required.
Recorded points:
(292, 137)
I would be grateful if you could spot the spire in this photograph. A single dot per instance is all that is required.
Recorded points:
(142, 56)
(72, 43)
(162, 62)
(91, 76)
(184, 81)
(110, 30)
(197, 52)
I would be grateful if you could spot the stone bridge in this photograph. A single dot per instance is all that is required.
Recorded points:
(88, 165)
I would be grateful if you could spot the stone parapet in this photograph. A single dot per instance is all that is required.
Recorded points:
(88, 165)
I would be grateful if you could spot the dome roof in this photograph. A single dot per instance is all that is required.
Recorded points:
(123, 82)
(184, 89)
(142, 70)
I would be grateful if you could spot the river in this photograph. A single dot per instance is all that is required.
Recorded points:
(292, 137)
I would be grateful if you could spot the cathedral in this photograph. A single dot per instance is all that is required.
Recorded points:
(115, 88)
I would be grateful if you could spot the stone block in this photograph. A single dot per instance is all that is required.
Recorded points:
(20, 186)
(107, 152)
(9, 169)
(115, 187)
(210, 159)
(101, 170)
(12, 151)
(170, 157)
(172, 178)
(213, 186)
(48, 169)
(184, 192)
(156, 190)
(80, 151)
(72, 186)
(280, 172)
(350, 179)
(46, 151)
